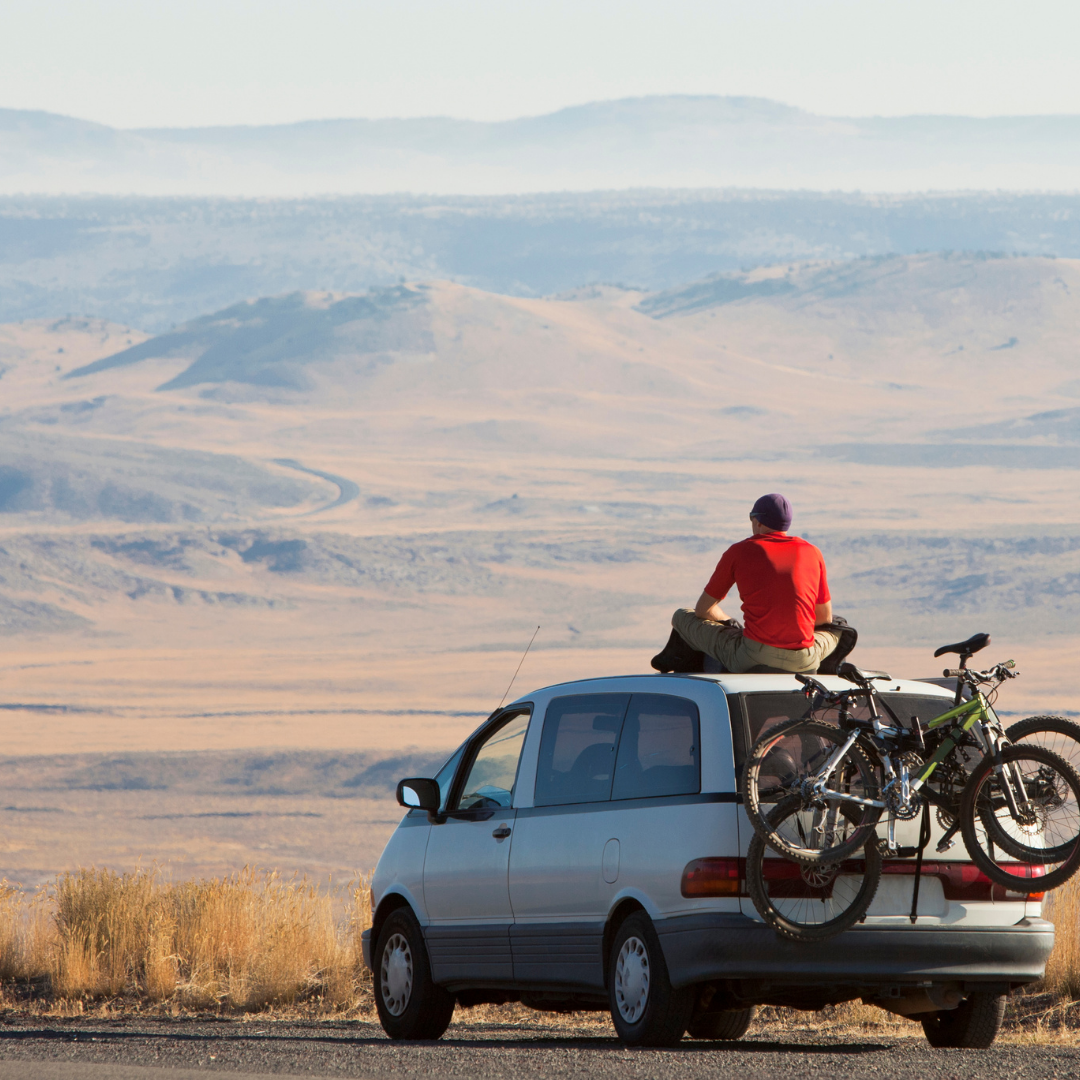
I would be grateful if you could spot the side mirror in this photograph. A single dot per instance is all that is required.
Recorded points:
(419, 793)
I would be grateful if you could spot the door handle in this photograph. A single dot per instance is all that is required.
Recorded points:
(502, 832)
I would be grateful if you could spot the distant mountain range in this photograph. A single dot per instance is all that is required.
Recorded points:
(662, 141)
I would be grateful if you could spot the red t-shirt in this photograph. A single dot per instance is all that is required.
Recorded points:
(781, 580)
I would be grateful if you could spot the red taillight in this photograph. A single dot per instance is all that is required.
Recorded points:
(965, 881)
(712, 877)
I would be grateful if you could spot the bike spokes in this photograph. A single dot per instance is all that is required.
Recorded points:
(1029, 811)
(809, 902)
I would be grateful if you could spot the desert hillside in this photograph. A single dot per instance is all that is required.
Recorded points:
(330, 522)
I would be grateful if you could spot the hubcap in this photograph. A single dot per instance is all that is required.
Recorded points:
(632, 980)
(396, 975)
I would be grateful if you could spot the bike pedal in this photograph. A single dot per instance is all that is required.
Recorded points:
(944, 845)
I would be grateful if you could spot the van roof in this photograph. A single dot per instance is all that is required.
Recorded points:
(747, 684)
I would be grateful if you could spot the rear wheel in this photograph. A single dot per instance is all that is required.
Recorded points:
(645, 1008)
(1044, 828)
(728, 1024)
(783, 764)
(410, 1005)
(810, 903)
(972, 1025)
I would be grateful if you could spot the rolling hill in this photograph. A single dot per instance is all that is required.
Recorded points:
(358, 506)
(296, 537)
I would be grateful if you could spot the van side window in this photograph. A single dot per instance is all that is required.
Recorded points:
(493, 773)
(659, 753)
(577, 749)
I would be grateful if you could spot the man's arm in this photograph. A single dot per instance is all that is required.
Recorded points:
(822, 613)
(708, 607)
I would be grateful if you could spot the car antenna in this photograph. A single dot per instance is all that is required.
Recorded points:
(520, 662)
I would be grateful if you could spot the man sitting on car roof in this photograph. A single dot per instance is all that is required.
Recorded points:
(785, 603)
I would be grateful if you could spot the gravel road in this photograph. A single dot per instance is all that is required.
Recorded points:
(136, 1049)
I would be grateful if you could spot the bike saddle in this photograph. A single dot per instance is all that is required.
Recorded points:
(858, 676)
(966, 648)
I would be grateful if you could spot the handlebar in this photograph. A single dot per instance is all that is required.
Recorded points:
(997, 674)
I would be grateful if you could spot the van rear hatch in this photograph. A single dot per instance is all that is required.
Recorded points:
(952, 890)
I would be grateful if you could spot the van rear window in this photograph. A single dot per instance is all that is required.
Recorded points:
(758, 712)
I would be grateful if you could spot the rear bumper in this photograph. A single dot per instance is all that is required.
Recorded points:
(702, 948)
(366, 946)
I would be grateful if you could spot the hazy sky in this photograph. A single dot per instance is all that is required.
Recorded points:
(160, 62)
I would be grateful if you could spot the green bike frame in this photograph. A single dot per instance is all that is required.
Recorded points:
(966, 716)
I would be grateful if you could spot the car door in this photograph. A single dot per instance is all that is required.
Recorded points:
(466, 891)
(557, 888)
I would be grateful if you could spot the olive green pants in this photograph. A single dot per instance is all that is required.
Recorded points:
(738, 653)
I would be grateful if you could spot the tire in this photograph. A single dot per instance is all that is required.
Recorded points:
(725, 1024)
(972, 1025)
(645, 1008)
(822, 901)
(779, 763)
(410, 1005)
(1056, 733)
(1054, 841)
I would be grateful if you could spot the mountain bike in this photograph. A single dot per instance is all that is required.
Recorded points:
(1058, 734)
(815, 792)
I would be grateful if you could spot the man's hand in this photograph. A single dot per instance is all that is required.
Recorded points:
(823, 613)
(708, 607)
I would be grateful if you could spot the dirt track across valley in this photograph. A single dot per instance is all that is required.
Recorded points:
(145, 1049)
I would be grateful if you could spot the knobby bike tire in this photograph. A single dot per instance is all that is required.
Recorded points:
(1066, 744)
(1066, 736)
(855, 771)
(975, 809)
(1054, 787)
(810, 903)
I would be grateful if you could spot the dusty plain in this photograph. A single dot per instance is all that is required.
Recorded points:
(311, 536)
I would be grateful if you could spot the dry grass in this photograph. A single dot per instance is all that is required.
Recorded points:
(253, 941)
(1062, 908)
(246, 942)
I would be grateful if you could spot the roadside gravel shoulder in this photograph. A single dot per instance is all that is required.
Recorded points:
(487, 1050)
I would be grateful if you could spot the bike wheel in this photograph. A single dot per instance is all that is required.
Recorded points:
(783, 764)
(1057, 734)
(1045, 831)
(810, 903)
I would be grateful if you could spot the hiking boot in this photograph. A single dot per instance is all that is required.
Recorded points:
(848, 637)
(679, 656)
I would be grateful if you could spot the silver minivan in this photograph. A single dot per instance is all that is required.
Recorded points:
(584, 849)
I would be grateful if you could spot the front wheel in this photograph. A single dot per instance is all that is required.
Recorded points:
(645, 1008)
(1029, 812)
(410, 1005)
(810, 903)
